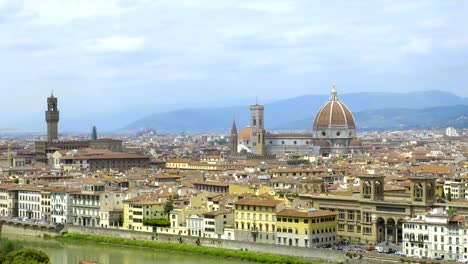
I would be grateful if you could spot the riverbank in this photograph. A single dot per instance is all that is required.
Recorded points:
(180, 247)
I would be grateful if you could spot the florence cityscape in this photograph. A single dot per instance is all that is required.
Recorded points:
(296, 131)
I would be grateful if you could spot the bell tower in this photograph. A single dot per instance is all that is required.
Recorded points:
(257, 125)
(372, 187)
(423, 189)
(256, 116)
(233, 138)
(52, 118)
(260, 150)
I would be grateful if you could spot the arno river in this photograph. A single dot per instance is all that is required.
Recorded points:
(72, 253)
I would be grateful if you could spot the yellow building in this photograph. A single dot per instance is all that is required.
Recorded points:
(8, 200)
(373, 216)
(305, 228)
(255, 219)
(148, 206)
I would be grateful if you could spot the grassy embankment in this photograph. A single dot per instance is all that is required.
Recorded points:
(216, 252)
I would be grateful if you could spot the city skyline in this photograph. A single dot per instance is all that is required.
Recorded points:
(115, 57)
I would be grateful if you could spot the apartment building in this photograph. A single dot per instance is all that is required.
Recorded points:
(437, 234)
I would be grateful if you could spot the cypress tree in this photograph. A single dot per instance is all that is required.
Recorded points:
(94, 133)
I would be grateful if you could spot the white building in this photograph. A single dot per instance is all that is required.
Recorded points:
(61, 206)
(436, 235)
(86, 204)
(29, 203)
(456, 188)
(451, 132)
(194, 224)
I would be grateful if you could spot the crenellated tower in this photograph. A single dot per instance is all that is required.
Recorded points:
(52, 118)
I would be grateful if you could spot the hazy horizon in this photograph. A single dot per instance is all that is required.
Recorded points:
(119, 57)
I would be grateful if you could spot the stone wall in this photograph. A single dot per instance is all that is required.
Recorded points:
(320, 255)
(27, 230)
(323, 255)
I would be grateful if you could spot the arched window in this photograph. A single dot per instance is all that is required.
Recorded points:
(367, 188)
(378, 187)
(418, 190)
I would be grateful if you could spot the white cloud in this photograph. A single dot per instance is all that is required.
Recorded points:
(418, 46)
(306, 33)
(269, 6)
(432, 23)
(58, 12)
(115, 44)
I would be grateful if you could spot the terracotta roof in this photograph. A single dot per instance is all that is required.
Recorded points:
(322, 143)
(355, 143)
(288, 135)
(432, 168)
(305, 214)
(218, 212)
(212, 183)
(114, 155)
(245, 133)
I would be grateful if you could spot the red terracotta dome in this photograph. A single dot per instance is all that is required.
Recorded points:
(245, 134)
(334, 113)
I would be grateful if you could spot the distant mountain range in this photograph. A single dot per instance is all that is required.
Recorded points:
(400, 118)
(372, 111)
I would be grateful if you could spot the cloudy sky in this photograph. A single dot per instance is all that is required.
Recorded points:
(105, 56)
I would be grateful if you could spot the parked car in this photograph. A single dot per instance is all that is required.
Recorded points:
(370, 248)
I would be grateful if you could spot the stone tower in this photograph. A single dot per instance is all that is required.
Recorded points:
(233, 138)
(52, 118)
(256, 116)
(256, 125)
(260, 150)
(372, 187)
(423, 189)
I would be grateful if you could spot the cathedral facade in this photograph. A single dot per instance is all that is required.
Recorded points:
(334, 131)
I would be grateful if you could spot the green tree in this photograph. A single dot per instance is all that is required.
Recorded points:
(7, 246)
(94, 133)
(168, 207)
(159, 222)
(452, 211)
(26, 256)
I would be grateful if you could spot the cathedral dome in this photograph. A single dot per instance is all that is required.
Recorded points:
(245, 133)
(334, 114)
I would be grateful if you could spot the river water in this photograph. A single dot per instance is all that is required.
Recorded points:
(73, 252)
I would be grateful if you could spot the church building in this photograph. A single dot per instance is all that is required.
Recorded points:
(334, 131)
